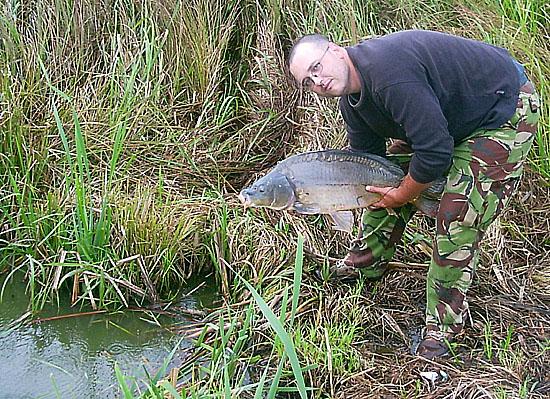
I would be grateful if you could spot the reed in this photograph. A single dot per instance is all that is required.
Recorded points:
(127, 127)
(231, 370)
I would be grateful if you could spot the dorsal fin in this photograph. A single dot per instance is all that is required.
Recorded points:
(369, 160)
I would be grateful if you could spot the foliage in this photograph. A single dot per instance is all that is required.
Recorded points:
(127, 127)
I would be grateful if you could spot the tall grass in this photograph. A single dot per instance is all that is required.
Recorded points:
(231, 371)
(133, 83)
(126, 128)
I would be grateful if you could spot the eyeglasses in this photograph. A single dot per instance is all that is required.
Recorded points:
(314, 71)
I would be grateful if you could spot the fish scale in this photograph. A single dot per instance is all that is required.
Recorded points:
(341, 168)
(371, 161)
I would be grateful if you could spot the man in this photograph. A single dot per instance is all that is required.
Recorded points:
(466, 111)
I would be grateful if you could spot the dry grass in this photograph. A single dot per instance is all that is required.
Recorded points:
(509, 294)
(199, 131)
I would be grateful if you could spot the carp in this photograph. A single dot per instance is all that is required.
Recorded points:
(331, 182)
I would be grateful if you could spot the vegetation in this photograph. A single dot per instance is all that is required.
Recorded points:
(127, 127)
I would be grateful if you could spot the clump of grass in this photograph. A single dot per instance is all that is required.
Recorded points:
(230, 366)
(144, 98)
(127, 128)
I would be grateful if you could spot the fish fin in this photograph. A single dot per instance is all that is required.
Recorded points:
(311, 209)
(427, 206)
(343, 221)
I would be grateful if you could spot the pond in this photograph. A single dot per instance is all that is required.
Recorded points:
(74, 357)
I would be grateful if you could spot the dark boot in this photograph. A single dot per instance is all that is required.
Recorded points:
(435, 343)
(342, 272)
(359, 262)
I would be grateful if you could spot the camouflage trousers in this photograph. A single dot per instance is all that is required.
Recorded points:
(483, 176)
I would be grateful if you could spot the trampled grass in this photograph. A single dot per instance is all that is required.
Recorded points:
(126, 129)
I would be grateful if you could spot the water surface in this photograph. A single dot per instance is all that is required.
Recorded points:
(75, 357)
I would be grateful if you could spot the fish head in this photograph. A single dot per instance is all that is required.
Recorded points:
(271, 191)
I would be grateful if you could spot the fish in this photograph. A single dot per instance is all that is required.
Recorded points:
(332, 182)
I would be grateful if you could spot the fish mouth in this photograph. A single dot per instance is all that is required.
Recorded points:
(245, 200)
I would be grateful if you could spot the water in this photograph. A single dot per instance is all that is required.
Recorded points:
(75, 357)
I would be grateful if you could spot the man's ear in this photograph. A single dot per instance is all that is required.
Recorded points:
(337, 50)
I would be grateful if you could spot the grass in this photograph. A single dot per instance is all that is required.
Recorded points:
(221, 366)
(125, 131)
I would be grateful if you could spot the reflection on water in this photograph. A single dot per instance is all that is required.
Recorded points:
(75, 357)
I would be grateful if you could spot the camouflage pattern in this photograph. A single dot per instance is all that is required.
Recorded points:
(483, 176)
(378, 234)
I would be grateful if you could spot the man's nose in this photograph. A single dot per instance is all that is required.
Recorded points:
(316, 80)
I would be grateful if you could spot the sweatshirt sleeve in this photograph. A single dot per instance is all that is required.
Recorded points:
(360, 136)
(416, 108)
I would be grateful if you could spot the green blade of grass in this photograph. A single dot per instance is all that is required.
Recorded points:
(281, 332)
(274, 388)
(122, 382)
(171, 390)
(298, 267)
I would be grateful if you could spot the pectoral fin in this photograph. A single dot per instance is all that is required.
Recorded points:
(342, 220)
(310, 209)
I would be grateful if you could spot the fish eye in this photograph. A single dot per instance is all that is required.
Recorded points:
(262, 189)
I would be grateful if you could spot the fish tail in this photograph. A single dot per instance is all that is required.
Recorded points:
(428, 206)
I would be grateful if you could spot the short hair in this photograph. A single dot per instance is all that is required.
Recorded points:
(315, 38)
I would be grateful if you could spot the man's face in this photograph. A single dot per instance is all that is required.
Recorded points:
(322, 70)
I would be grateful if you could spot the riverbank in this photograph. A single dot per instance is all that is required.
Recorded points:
(126, 131)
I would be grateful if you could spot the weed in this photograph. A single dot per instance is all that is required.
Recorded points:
(487, 340)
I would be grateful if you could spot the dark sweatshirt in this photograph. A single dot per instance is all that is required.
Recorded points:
(430, 89)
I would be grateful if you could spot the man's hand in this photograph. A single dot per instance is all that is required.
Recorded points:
(394, 197)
